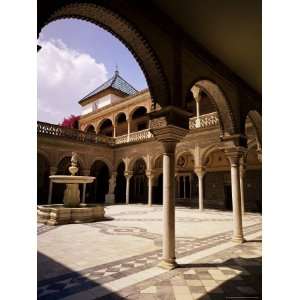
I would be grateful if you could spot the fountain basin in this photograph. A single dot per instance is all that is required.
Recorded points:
(58, 214)
(69, 179)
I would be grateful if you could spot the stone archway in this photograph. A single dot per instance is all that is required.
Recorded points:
(105, 128)
(139, 119)
(97, 190)
(139, 182)
(121, 124)
(121, 28)
(215, 94)
(90, 129)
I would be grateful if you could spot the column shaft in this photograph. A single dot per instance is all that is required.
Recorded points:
(127, 188)
(234, 155)
(169, 207)
(242, 187)
(150, 190)
(83, 193)
(50, 192)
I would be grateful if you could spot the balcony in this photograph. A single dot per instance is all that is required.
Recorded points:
(204, 121)
(47, 129)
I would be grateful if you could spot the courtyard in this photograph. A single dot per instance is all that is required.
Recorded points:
(118, 258)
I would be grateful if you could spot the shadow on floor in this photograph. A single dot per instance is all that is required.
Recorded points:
(245, 285)
(56, 281)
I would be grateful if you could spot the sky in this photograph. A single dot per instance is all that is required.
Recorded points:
(76, 57)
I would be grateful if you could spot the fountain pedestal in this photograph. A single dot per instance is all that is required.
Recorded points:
(72, 195)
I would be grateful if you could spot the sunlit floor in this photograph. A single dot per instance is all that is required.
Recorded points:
(118, 258)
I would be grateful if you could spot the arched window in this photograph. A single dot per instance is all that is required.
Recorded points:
(139, 119)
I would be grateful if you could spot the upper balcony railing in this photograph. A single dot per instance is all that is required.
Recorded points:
(204, 121)
(47, 129)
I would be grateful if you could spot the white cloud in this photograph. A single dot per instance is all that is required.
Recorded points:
(64, 77)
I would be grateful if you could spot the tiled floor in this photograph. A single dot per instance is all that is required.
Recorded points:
(117, 259)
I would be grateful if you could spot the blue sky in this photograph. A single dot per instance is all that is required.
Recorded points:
(75, 58)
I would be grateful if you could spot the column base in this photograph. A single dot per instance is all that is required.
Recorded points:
(238, 240)
(168, 265)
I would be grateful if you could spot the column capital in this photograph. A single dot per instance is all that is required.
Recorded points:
(128, 174)
(235, 154)
(170, 115)
(169, 135)
(114, 174)
(196, 90)
(150, 174)
(200, 171)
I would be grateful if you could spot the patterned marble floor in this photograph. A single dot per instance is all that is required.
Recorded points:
(117, 258)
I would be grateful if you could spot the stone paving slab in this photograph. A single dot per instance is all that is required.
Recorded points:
(119, 266)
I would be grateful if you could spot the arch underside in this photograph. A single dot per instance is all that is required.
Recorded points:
(131, 38)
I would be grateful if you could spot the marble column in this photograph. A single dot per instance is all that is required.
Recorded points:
(128, 129)
(200, 172)
(169, 260)
(128, 175)
(242, 182)
(196, 91)
(85, 172)
(169, 136)
(150, 183)
(115, 129)
(169, 125)
(53, 171)
(234, 155)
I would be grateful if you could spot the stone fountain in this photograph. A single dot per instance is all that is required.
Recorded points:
(71, 211)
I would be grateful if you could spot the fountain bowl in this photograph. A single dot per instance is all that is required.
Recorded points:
(70, 179)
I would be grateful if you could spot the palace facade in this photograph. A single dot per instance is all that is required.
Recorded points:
(115, 143)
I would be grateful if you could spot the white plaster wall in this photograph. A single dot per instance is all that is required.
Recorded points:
(101, 102)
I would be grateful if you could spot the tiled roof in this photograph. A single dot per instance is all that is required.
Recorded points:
(116, 82)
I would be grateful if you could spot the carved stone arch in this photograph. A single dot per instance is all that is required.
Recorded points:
(216, 94)
(120, 113)
(256, 120)
(183, 151)
(88, 126)
(133, 161)
(135, 108)
(104, 160)
(100, 122)
(206, 152)
(155, 160)
(122, 29)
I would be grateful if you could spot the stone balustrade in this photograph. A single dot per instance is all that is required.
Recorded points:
(204, 121)
(47, 129)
